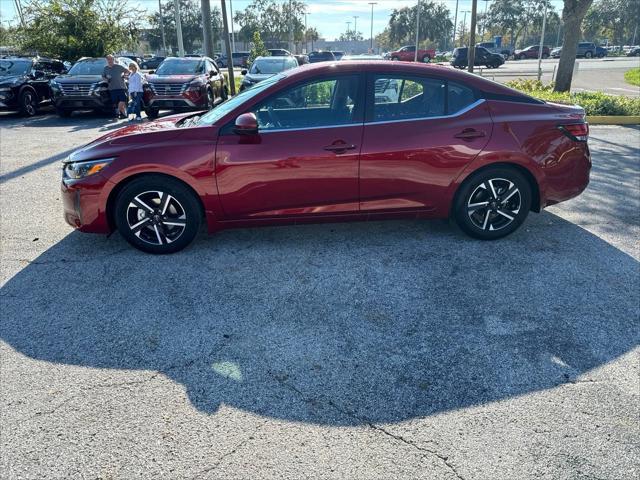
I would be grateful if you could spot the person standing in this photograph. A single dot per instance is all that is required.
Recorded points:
(135, 91)
(115, 74)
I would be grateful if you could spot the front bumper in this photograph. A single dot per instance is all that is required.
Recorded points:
(84, 204)
(70, 102)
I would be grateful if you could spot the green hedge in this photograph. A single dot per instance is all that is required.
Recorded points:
(594, 103)
(632, 76)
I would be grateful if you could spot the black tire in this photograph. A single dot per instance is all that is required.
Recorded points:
(588, 55)
(152, 113)
(64, 112)
(395, 59)
(28, 102)
(148, 224)
(522, 57)
(545, 56)
(492, 221)
(426, 59)
(225, 93)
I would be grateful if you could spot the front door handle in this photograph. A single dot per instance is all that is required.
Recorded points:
(469, 134)
(339, 147)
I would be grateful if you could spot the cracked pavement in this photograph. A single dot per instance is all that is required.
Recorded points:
(393, 350)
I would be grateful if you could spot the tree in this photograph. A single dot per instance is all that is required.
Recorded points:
(515, 17)
(573, 13)
(435, 23)
(191, 22)
(71, 29)
(273, 19)
(350, 36)
(258, 49)
(312, 35)
(615, 20)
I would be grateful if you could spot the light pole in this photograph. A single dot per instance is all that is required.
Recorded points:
(306, 46)
(233, 35)
(484, 18)
(544, 26)
(355, 26)
(348, 28)
(455, 25)
(164, 40)
(464, 26)
(415, 56)
(176, 5)
(371, 37)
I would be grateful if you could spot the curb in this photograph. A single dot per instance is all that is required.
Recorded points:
(613, 119)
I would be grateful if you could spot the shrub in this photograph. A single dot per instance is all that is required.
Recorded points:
(594, 103)
(633, 76)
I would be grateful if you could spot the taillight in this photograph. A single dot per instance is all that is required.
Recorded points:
(576, 131)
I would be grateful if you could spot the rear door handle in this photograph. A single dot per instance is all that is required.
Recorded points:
(339, 147)
(469, 134)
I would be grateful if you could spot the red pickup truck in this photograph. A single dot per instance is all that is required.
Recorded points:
(408, 54)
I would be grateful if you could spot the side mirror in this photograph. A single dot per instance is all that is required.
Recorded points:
(243, 71)
(246, 124)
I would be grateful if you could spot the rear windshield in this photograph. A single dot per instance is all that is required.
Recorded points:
(93, 66)
(176, 66)
(272, 65)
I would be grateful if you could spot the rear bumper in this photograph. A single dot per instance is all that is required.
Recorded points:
(568, 178)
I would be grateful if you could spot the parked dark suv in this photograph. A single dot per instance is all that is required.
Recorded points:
(24, 83)
(460, 58)
(184, 84)
(151, 63)
(83, 88)
(585, 49)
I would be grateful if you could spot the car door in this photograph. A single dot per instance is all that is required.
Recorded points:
(418, 140)
(304, 159)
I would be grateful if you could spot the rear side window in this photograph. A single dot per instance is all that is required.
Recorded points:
(459, 97)
(405, 98)
(400, 98)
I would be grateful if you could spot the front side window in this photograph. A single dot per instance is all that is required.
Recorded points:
(398, 98)
(321, 103)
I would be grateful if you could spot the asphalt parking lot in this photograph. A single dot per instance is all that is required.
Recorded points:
(397, 349)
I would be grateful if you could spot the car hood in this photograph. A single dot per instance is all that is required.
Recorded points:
(78, 78)
(131, 137)
(170, 78)
(9, 80)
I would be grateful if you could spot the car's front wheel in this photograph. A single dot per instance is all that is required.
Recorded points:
(157, 214)
(492, 203)
(28, 103)
(588, 55)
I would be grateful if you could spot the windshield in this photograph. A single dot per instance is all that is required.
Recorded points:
(212, 116)
(270, 65)
(174, 66)
(89, 67)
(14, 67)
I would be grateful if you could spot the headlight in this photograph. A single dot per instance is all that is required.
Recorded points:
(78, 170)
(4, 90)
(195, 85)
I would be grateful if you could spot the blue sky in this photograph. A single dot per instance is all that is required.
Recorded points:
(330, 17)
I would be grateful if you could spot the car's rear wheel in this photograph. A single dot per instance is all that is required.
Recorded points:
(28, 103)
(152, 113)
(210, 99)
(426, 59)
(225, 93)
(545, 56)
(158, 215)
(588, 55)
(492, 203)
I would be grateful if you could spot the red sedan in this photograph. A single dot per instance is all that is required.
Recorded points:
(337, 141)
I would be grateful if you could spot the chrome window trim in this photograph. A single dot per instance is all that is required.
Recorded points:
(275, 130)
(466, 109)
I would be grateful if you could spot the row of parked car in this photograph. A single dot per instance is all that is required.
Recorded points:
(28, 84)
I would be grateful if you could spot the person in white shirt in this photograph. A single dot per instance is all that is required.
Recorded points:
(135, 91)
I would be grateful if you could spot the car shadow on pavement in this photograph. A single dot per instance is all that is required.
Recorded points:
(341, 324)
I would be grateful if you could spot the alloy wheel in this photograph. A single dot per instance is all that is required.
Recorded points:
(28, 103)
(156, 217)
(494, 204)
